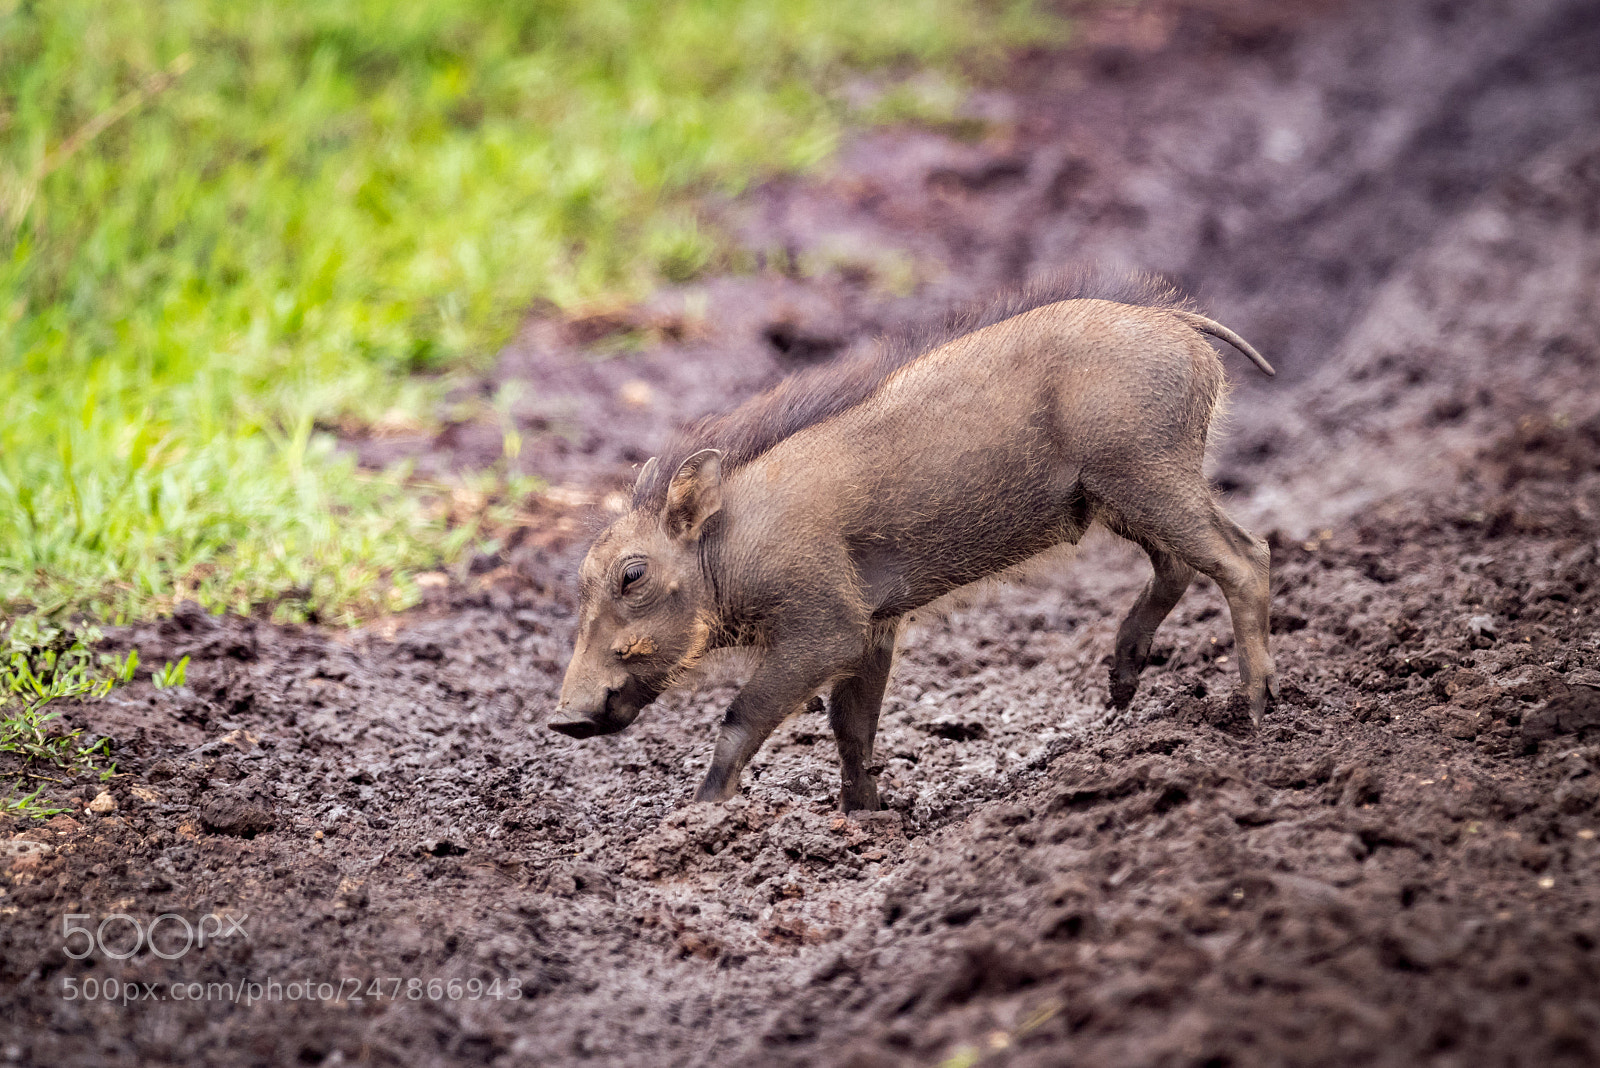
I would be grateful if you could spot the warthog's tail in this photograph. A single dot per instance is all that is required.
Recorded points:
(1222, 333)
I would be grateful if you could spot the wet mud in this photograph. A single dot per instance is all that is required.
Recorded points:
(1399, 204)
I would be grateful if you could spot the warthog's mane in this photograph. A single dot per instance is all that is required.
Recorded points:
(817, 394)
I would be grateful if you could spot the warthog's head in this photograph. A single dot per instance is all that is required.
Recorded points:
(644, 602)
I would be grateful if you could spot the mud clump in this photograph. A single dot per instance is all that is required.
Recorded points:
(1572, 708)
(243, 810)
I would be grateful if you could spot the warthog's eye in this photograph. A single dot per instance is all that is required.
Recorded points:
(631, 574)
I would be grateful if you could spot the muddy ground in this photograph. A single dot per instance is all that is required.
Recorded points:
(1399, 202)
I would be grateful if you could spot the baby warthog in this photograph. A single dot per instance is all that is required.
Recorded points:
(806, 523)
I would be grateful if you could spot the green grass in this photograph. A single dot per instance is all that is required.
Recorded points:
(41, 664)
(227, 225)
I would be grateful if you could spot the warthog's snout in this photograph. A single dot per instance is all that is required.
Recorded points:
(587, 723)
(604, 712)
(584, 727)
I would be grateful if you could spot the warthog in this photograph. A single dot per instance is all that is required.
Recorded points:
(806, 523)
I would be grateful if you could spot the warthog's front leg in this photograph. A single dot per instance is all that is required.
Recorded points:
(789, 674)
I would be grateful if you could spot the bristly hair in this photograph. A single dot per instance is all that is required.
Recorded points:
(819, 393)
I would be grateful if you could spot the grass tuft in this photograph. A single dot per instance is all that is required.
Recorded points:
(42, 664)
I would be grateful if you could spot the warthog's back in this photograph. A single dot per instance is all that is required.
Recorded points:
(974, 457)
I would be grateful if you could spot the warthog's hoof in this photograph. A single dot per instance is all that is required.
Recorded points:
(860, 796)
(1122, 690)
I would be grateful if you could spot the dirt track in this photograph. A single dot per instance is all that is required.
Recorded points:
(1400, 204)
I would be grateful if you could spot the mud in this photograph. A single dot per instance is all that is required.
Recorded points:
(1399, 204)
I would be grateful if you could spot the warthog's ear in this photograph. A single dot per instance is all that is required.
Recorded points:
(646, 473)
(694, 495)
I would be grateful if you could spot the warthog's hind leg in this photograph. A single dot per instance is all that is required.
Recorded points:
(1179, 515)
(1166, 586)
